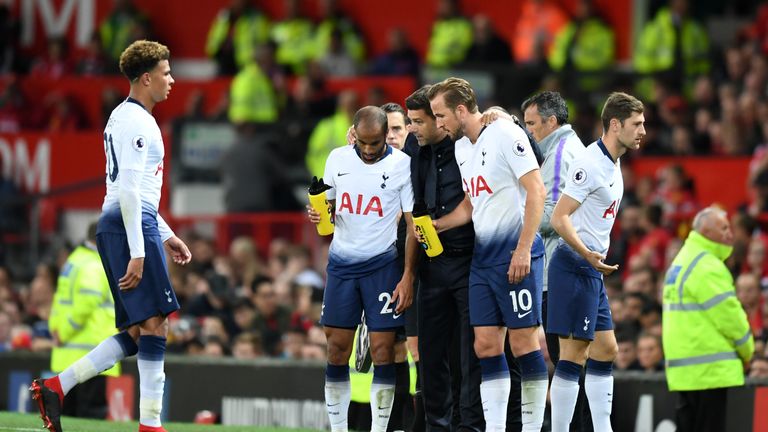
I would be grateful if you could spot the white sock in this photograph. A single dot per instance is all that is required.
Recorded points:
(534, 402)
(151, 364)
(382, 398)
(101, 358)
(337, 396)
(599, 391)
(563, 394)
(495, 396)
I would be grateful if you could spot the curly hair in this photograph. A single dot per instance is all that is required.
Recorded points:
(142, 56)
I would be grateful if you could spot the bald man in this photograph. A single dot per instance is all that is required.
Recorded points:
(706, 336)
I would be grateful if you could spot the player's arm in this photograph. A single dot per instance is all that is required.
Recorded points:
(459, 216)
(174, 246)
(130, 208)
(403, 294)
(561, 222)
(520, 264)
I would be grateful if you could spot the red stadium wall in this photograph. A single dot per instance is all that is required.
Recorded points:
(717, 180)
(184, 28)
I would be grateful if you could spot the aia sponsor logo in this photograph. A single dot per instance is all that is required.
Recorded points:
(373, 205)
(476, 186)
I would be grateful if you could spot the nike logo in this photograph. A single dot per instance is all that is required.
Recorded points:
(611, 185)
(342, 174)
(461, 163)
(332, 405)
(396, 316)
(526, 404)
(519, 315)
(384, 408)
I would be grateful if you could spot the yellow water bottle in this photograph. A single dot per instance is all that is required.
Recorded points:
(423, 222)
(319, 201)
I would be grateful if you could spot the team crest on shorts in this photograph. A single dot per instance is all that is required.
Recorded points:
(580, 176)
(139, 143)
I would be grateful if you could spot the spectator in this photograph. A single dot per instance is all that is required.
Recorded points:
(247, 346)
(399, 59)
(451, 36)
(756, 259)
(253, 98)
(94, 60)
(585, 44)
(333, 20)
(626, 358)
(656, 239)
(55, 64)
(674, 46)
(215, 347)
(539, 22)
(234, 34)
(121, 27)
(759, 368)
(487, 46)
(293, 341)
(293, 36)
(331, 132)
(650, 356)
(272, 320)
(337, 61)
(749, 294)
(5, 331)
(316, 346)
(243, 314)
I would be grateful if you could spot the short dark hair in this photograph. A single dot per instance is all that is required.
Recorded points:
(620, 106)
(391, 107)
(419, 100)
(371, 114)
(141, 57)
(455, 91)
(548, 104)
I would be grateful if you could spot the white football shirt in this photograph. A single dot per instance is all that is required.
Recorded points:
(368, 200)
(595, 181)
(490, 170)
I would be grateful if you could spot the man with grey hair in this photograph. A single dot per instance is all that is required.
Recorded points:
(546, 115)
(706, 335)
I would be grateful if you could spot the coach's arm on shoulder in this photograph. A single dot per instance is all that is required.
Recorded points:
(461, 215)
(561, 222)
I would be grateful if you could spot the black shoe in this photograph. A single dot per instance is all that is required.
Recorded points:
(49, 404)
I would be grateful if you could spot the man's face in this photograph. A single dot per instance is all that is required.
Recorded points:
(632, 132)
(718, 229)
(160, 81)
(649, 352)
(424, 128)
(538, 126)
(370, 140)
(626, 354)
(396, 131)
(445, 118)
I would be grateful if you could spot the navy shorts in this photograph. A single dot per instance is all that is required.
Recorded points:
(493, 301)
(577, 303)
(346, 297)
(154, 294)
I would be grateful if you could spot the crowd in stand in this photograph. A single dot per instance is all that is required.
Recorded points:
(699, 101)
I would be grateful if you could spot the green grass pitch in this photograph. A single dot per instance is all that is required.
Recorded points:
(15, 422)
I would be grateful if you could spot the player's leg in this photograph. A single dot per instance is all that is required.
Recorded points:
(376, 291)
(151, 364)
(598, 383)
(521, 307)
(50, 393)
(341, 315)
(487, 322)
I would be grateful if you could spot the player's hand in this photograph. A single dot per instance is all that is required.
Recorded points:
(313, 215)
(402, 297)
(520, 265)
(351, 135)
(132, 274)
(177, 250)
(596, 260)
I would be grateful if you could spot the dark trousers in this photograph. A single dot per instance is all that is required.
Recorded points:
(701, 410)
(443, 312)
(88, 399)
(582, 417)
